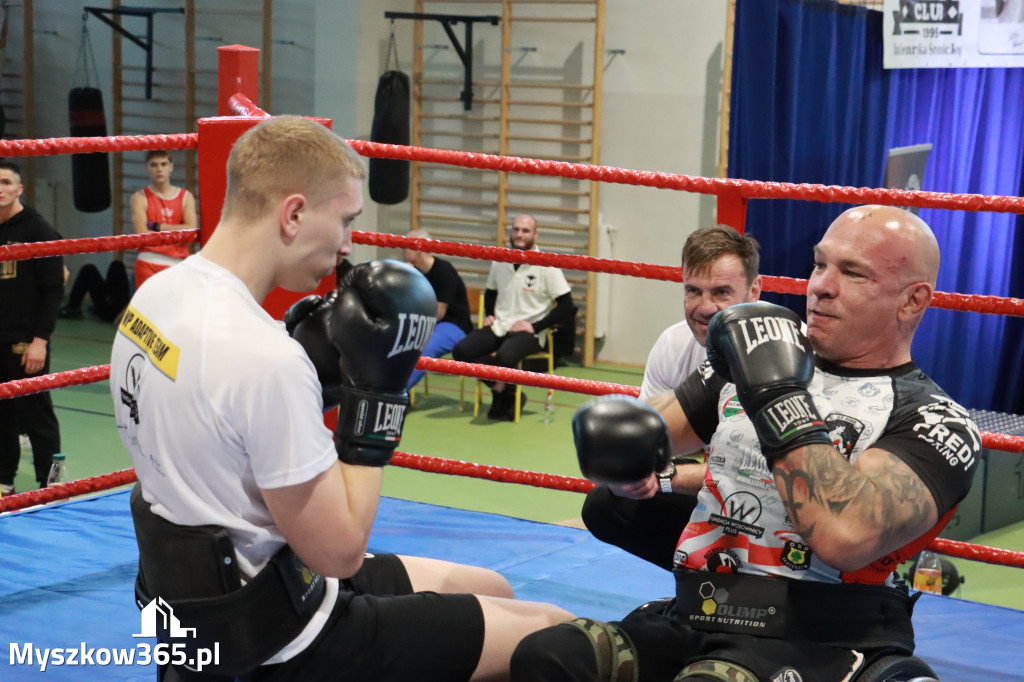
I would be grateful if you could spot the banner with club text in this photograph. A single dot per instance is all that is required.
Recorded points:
(953, 33)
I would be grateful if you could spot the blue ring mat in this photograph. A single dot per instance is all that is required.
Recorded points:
(67, 572)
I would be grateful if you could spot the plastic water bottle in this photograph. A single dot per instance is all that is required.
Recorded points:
(549, 407)
(928, 573)
(58, 470)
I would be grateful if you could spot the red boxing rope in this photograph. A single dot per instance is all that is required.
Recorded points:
(84, 145)
(988, 555)
(963, 550)
(522, 377)
(453, 467)
(121, 242)
(995, 305)
(748, 189)
(11, 389)
(783, 285)
(47, 382)
(241, 105)
(62, 491)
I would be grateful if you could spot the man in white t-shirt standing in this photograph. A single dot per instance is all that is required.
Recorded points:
(252, 520)
(719, 268)
(520, 303)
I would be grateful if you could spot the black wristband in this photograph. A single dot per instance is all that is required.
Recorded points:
(369, 425)
(788, 421)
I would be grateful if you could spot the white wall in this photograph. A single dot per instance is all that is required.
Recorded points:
(660, 112)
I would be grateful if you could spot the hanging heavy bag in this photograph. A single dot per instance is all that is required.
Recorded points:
(90, 173)
(389, 178)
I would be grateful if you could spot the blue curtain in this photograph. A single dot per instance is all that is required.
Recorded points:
(974, 118)
(807, 89)
(812, 103)
(1009, 391)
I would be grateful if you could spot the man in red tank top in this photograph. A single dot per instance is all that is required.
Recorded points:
(161, 206)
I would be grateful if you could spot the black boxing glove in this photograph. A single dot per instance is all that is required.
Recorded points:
(379, 323)
(306, 321)
(620, 439)
(760, 348)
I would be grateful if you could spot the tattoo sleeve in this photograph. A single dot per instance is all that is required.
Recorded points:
(880, 502)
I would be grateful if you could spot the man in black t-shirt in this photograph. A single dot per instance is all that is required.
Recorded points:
(453, 321)
(30, 294)
(831, 459)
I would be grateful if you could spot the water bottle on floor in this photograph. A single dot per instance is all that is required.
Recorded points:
(549, 407)
(928, 573)
(58, 470)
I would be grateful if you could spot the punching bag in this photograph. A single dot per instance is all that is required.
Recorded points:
(389, 178)
(90, 173)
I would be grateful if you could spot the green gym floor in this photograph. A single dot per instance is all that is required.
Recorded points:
(437, 427)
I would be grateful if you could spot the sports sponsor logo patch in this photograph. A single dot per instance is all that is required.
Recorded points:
(161, 352)
(388, 422)
(796, 556)
(726, 602)
(755, 478)
(740, 511)
(948, 428)
(732, 407)
(787, 674)
(760, 330)
(844, 432)
(790, 414)
(722, 560)
(413, 332)
(362, 409)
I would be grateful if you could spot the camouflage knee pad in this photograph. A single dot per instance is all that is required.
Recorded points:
(613, 650)
(719, 671)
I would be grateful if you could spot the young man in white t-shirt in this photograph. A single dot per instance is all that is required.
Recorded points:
(719, 268)
(520, 302)
(220, 410)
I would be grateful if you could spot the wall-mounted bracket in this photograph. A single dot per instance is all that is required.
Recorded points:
(145, 43)
(612, 54)
(465, 51)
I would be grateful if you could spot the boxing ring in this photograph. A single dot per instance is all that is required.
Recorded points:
(68, 555)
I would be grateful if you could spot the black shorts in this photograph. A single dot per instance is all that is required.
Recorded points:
(665, 646)
(381, 630)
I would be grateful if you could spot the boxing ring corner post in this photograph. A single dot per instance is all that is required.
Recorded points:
(237, 87)
(732, 210)
(237, 72)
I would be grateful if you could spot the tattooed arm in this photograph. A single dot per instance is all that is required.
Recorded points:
(854, 514)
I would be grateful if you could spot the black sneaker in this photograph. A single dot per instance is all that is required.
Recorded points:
(509, 413)
(497, 405)
(70, 312)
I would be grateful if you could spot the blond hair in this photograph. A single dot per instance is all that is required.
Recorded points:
(286, 155)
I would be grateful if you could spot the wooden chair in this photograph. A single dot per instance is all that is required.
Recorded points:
(547, 353)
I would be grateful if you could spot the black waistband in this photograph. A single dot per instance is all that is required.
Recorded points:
(181, 568)
(851, 616)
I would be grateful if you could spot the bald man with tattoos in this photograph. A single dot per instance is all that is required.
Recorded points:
(831, 459)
